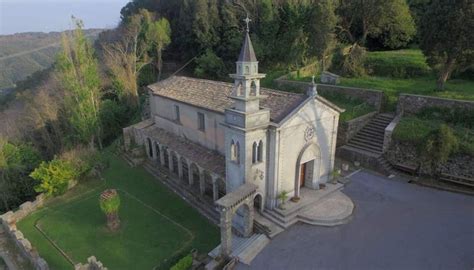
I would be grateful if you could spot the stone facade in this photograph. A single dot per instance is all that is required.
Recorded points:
(411, 104)
(387, 136)
(9, 220)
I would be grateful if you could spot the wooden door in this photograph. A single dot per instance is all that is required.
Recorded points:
(302, 174)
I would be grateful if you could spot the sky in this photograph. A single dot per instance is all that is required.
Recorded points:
(18, 16)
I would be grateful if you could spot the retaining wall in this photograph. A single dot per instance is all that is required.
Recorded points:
(9, 220)
(348, 129)
(411, 104)
(372, 97)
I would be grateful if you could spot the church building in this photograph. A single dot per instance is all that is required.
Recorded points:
(217, 137)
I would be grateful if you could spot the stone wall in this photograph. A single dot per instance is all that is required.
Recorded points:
(372, 97)
(348, 129)
(9, 220)
(387, 136)
(411, 104)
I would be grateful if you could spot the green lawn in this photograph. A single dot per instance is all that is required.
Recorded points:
(404, 71)
(157, 226)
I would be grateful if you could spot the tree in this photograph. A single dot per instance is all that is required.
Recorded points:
(359, 19)
(54, 176)
(78, 71)
(159, 34)
(446, 36)
(16, 162)
(109, 204)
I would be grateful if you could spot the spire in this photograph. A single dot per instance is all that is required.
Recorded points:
(247, 54)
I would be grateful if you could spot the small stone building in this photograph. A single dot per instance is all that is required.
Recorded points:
(218, 136)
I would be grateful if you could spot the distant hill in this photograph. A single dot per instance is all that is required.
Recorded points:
(23, 54)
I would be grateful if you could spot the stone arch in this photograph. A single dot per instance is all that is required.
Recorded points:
(149, 147)
(307, 167)
(195, 176)
(158, 153)
(253, 88)
(174, 162)
(166, 160)
(240, 219)
(238, 89)
(184, 169)
(258, 202)
(207, 185)
(236, 207)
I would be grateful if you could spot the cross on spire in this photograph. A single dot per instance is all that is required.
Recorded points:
(247, 21)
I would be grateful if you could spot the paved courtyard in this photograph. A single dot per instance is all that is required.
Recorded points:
(396, 225)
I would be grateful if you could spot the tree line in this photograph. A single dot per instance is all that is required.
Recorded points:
(293, 33)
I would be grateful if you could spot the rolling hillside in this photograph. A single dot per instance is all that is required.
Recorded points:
(23, 54)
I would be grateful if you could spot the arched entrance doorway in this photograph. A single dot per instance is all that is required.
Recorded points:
(196, 178)
(258, 202)
(307, 169)
(184, 169)
(174, 164)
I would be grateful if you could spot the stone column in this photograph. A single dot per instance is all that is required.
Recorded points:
(226, 232)
(162, 155)
(180, 168)
(215, 190)
(248, 220)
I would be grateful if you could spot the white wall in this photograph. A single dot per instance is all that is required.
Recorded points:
(163, 113)
(291, 141)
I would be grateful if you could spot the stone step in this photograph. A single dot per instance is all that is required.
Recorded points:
(365, 146)
(363, 149)
(378, 139)
(253, 249)
(370, 133)
(375, 130)
(367, 141)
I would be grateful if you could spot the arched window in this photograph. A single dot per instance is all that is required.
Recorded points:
(237, 152)
(247, 70)
(238, 89)
(260, 152)
(253, 89)
(254, 152)
(232, 150)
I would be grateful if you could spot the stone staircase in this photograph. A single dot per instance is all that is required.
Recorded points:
(293, 212)
(370, 137)
(205, 207)
(367, 145)
(245, 249)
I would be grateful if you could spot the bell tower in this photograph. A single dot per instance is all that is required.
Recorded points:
(246, 123)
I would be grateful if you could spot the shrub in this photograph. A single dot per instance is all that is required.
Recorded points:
(54, 176)
(439, 145)
(454, 116)
(85, 160)
(209, 65)
(184, 263)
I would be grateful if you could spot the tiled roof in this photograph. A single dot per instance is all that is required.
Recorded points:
(214, 95)
(207, 159)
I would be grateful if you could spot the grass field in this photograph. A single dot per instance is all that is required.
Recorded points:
(158, 227)
(405, 71)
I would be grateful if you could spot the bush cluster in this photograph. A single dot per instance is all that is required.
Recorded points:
(184, 263)
(397, 64)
